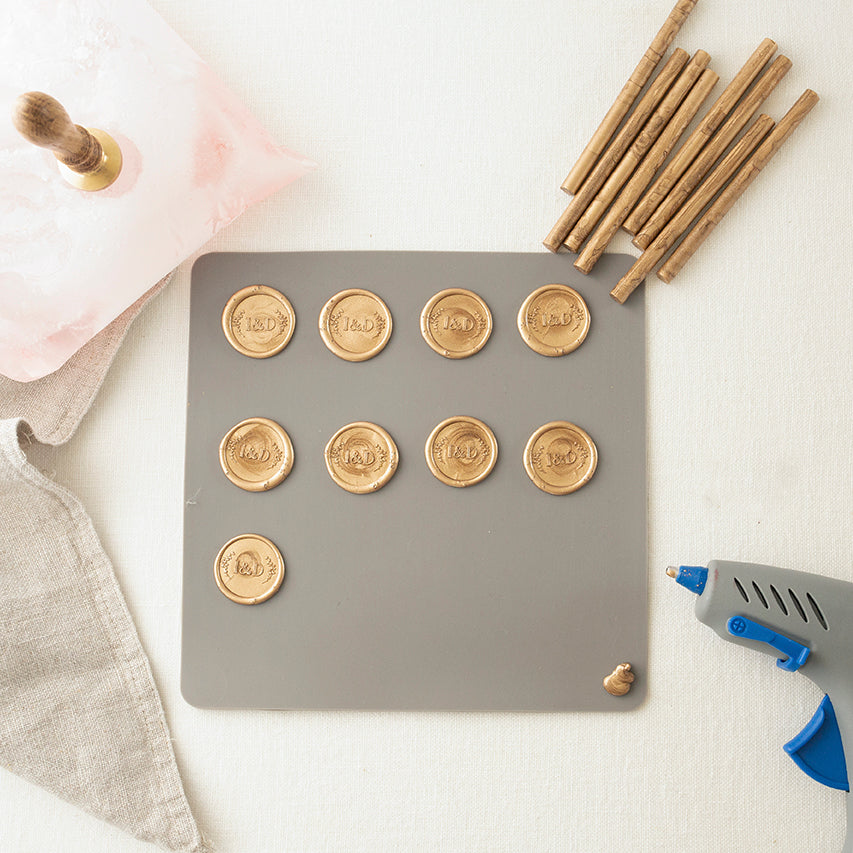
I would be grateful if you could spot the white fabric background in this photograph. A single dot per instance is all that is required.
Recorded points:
(449, 125)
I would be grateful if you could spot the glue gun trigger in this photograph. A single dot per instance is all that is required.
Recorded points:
(795, 653)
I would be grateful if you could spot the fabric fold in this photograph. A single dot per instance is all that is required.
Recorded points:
(79, 711)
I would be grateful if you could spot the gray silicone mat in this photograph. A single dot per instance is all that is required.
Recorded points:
(419, 596)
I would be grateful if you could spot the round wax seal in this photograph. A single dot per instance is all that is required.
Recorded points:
(256, 455)
(249, 569)
(258, 321)
(461, 451)
(560, 457)
(355, 324)
(456, 323)
(361, 457)
(554, 320)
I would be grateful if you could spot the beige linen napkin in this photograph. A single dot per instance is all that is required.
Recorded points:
(79, 712)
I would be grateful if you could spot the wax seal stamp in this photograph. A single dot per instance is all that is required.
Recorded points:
(249, 569)
(560, 457)
(554, 320)
(89, 158)
(456, 323)
(461, 451)
(258, 321)
(355, 324)
(256, 455)
(361, 457)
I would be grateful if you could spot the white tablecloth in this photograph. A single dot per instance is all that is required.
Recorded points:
(449, 125)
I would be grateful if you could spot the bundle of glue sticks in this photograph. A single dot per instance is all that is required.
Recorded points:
(618, 181)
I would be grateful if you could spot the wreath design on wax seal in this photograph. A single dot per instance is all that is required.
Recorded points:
(574, 310)
(268, 456)
(580, 450)
(457, 437)
(358, 449)
(249, 563)
(334, 323)
(480, 322)
(281, 319)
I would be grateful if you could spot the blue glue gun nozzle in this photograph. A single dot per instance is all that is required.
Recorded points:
(693, 578)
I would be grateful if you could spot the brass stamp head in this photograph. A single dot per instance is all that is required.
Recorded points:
(258, 321)
(107, 170)
(456, 323)
(619, 682)
(249, 569)
(461, 451)
(256, 455)
(361, 457)
(355, 324)
(554, 320)
(560, 457)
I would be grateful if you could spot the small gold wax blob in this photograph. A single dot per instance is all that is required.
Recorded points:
(456, 323)
(258, 321)
(249, 569)
(361, 457)
(554, 320)
(560, 457)
(461, 451)
(256, 455)
(619, 682)
(355, 324)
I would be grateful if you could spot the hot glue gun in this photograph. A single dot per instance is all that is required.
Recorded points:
(807, 622)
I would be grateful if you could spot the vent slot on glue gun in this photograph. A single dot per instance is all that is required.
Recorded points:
(779, 600)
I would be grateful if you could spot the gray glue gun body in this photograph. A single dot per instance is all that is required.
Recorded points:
(806, 622)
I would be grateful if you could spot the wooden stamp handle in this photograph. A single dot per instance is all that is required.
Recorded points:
(43, 121)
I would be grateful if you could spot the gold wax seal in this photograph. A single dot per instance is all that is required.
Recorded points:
(355, 324)
(456, 323)
(258, 321)
(554, 320)
(560, 457)
(619, 682)
(361, 457)
(256, 455)
(461, 451)
(249, 569)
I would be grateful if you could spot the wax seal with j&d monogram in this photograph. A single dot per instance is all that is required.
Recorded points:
(249, 569)
(361, 457)
(461, 451)
(554, 320)
(355, 324)
(256, 455)
(560, 457)
(456, 323)
(258, 321)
